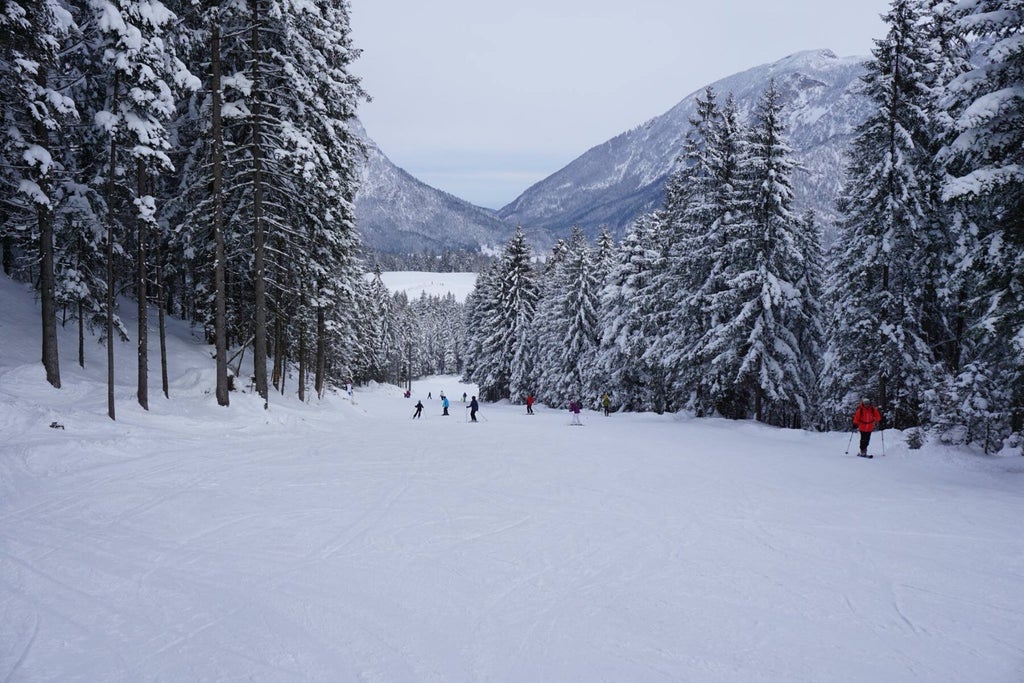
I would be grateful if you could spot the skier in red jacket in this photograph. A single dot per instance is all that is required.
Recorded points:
(866, 419)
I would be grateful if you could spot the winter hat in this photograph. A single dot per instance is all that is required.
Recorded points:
(865, 400)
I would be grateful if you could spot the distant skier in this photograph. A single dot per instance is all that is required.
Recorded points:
(463, 396)
(473, 407)
(444, 404)
(866, 418)
(606, 403)
(574, 408)
(429, 396)
(419, 410)
(529, 404)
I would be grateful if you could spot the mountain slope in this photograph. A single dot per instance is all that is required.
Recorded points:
(397, 213)
(616, 181)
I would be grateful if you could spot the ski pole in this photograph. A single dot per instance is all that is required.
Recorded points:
(848, 443)
(882, 433)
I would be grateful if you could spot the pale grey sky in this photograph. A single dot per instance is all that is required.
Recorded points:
(482, 99)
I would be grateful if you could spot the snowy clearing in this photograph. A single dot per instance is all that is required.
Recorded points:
(416, 283)
(345, 541)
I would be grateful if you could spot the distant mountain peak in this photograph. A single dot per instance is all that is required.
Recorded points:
(614, 182)
(617, 180)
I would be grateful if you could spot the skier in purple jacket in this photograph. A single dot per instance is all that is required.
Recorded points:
(574, 408)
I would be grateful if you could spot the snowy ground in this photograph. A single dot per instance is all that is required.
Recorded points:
(342, 542)
(415, 283)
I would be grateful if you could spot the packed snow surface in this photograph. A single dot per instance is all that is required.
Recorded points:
(416, 283)
(343, 540)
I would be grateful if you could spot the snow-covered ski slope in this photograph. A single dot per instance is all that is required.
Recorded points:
(341, 542)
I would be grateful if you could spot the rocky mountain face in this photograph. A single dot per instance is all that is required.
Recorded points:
(624, 177)
(396, 213)
(618, 180)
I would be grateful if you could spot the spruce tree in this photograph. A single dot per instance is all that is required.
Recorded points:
(626, 304)
(877, 334)
(31, 37)
(985, 188)
(755, 344)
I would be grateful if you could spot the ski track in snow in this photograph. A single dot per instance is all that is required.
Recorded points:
(367, 546)
(349, 542)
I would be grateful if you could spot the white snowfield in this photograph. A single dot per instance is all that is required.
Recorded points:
(416, 283)
(348, 542)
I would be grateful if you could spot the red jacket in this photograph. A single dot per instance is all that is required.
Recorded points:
(866, 417)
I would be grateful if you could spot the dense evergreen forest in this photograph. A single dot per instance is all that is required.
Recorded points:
(724, 302)
(195, 157)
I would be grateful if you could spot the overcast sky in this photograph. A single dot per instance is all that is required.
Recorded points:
(483, 98)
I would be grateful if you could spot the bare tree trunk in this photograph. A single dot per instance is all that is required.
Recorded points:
(7, 243)
(219, 286)
(278, 370)
(259, 283)
(47, 280)
(160, 302)
(142, 292)
(110, 264)
(302, 366)
(321, 351)
(81, 310)
(81, 334)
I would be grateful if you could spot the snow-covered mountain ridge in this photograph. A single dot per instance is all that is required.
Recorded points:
(619, 179)
(397, 213)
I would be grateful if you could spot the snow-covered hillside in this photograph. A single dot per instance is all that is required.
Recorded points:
(397, 213)
(616, 181)
(343, 540)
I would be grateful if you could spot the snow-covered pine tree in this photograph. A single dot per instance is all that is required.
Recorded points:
(626, 303)
(709, 201)
(545, 330)
(566, 325)
(581, 336)
(673, 317)
(811, 328)
(325, 156)
(130, 56)
(878, 341)
(196, 201)
(377, 330)
(481, 308)
(34, 111)
(755, 345)
(986, 187)
(501, 319)
(287, 182)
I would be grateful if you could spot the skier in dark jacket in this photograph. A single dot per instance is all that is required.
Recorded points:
(419, 409)
(473, 407)
(866, 418)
